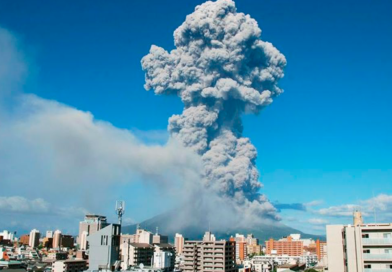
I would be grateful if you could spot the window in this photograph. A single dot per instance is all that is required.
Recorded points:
(368, 266)
(366, 251)
(387, 235)
(365, 235)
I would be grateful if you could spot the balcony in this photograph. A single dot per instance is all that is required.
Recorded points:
(377, 270)
(377, 257)
(375, 242)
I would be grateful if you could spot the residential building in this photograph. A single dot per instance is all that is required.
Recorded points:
(69, 266)
(209, 237)
(67, 241)
(163, 260)
(83, 241)
(171, 253)
(209, 255)
(179, 243)
(321, 249)
(57, 239)
(47, 242)
(91, 224)
(7, 235)
(134, 254)
(34, 238)
(24, 239)
(49, 234)
(359, 247)
(287, 246)
(104, 248)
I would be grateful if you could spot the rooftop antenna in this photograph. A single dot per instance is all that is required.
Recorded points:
(157, 230)
(120, 210)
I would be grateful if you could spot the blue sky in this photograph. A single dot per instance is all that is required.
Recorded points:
(327, 138)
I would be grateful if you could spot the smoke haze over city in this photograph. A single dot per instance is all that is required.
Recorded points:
(215, 138)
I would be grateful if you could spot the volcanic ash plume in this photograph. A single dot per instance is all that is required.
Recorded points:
(220, 69)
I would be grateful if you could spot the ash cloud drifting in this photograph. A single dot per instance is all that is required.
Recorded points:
(220, 69)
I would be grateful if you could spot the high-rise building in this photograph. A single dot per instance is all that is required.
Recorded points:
(241, 250)
(34, 238)
(91, 224)
(104, 248)
(321, 249)
(179, 243)
(287, 246)
(83, 240)
(359, 247)
(57, 239)
(209, 255)
(49, 234)
(209, 237)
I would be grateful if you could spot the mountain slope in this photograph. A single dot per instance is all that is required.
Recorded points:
(167, 225)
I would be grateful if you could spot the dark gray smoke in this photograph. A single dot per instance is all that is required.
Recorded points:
(220, 69)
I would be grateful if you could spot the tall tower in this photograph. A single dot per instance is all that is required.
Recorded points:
(358, 220)
(120, 210)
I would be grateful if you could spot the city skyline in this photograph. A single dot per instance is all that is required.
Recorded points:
(71, 82)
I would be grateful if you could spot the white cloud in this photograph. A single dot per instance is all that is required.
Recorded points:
(380, 206)
(317, 221)
(23, 205)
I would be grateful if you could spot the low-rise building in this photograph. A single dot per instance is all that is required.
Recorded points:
(69, 266)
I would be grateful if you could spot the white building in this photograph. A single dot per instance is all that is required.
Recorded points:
(49, 234)
(7, 235)
(162, 260)
(83, 240)
(34, 238)
(359, 248)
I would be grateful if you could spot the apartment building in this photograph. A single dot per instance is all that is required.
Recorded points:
(134, 254)
(359, 247)
(69, 266)
(209, 256)
(91, 224)
(286, 246)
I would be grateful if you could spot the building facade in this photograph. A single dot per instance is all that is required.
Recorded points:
(359, 248)
(179, 243)
(91, 224)
(286, 246)
(69, 266)
(104, 248)
(209, 256)
(34, 238)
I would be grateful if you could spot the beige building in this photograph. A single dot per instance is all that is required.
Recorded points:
(179, 243)
(360, 247)
(209, 256)
(91, 224)
(57, 239)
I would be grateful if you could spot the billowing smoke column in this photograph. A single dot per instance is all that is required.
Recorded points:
(220, 69)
